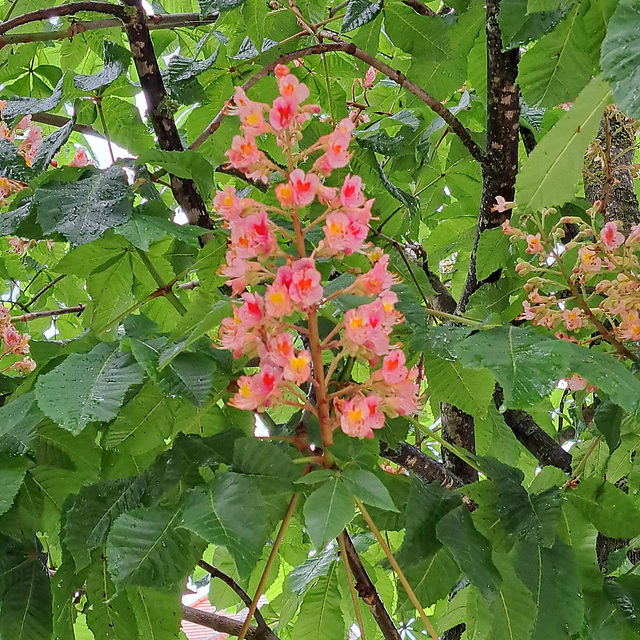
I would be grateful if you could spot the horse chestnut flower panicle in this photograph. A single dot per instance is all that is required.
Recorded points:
(277, 294)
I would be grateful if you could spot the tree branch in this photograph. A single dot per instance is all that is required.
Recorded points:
(420, 8)
(164, 125)
(546, 450)
(224, 625)
(60, 121)
(348, 47)
(162, 21)
(230, 582)
(27, 317)
(368, 593)
(64, 10)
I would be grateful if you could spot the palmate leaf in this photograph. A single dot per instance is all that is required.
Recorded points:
(27, 106)
(358, 13)
(90, 514)
(220, 513)
(327, 511)
(116, 61)
(550, 174)
(551, 576)
(620, 59)
(147, 548)
(82, 211)
(25, 592)
(18, 421)
(50, 146)
(109, 614)
(470, 391)
(87, 388)
(12, 471)
(320, 615)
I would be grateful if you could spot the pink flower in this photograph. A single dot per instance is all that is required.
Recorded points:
(280, 349)
(251, 312)
(502, 205)
(303, 187)
(610, 236)
(25, 123)
(80, 158)
(298, 369)
(351, 192)
(509, 230)
(292, 90)
(360, 415)
(376, 280)
(393, 369)
(369, 77)
(534, 244)
(277, 301)
(252, 236)
(284, 193)
(14, 341)
(228, 205)
(282, 114)
(404, 399)
(573, 319)
(26, 365)
(589, 260)
(305, 289)
(258, 391)
(244, 153)
(529, 312)
(576, 383)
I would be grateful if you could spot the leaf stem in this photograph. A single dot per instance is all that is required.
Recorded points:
(396, 567)
(168, 293)
(267, 568)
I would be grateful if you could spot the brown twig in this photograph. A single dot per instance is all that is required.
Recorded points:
(27, 317)
(348, 47)
(170, 21)
(44, 290)
(230, 582)
(60, 121)
(63, 10)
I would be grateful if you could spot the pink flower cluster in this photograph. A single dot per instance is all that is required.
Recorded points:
(601, 274)
(14, 343)
(277, 295)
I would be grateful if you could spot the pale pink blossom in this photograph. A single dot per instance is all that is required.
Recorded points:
(80, 158)
(534, 244)
(393, 367)
(590, 262)
(376, 280)
(573, 319)
(305, 288)
(303, 187)
(610, 236)
(26, 365)
(351, 192)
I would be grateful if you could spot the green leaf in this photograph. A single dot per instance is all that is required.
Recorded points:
(551, 575)
(493, 252)
(126, 128)
(188, 374)
(146, 547)
(380, 142)
(613, 512)
(25, 592)
(116, 61)
(27, 106)
(369, 488)
(209, 7)
(327, 511)
(18, 421)
(50, 146)
(12, 165)
(220, 513)
(90, 514)
(109, 614)
(180, 77)
(93, 386)
(141, 231)
(358, 13)
(517, 30)
(471, 550)
(558, 66)
(12, 472)
(311, 569)
(320, 615)
(143, 424)
(620, 61)
(82, 211)
(624, 593)
(254, 13)
(158, 613)
(470, 391)
(607, 419)
(550, 174)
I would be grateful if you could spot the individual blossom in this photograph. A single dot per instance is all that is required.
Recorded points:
(502, 205)
(14, 341)
(252, 237)
(298, 368)
(590, 262)
(573, 319)
(360, 415)
(576, 383)
(26, 365)
(534, 244)
(305, 288)
(303, 187)
(393, 367)
(610, 237)
(257, 391)
(80, 158)
(376, 280)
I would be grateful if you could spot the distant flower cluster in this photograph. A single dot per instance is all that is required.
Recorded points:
(588, 285)
(14, 343)
(279, 293)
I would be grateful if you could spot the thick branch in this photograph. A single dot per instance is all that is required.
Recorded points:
(63, 10)
(349, 48)
(458, 428)
(503, 124)
(60, 121)
(230, 582)
(420, 8)
(535, 440)
(367, 591)
(164, 125)
(224, 624)
(162, 21)
(424, 466)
